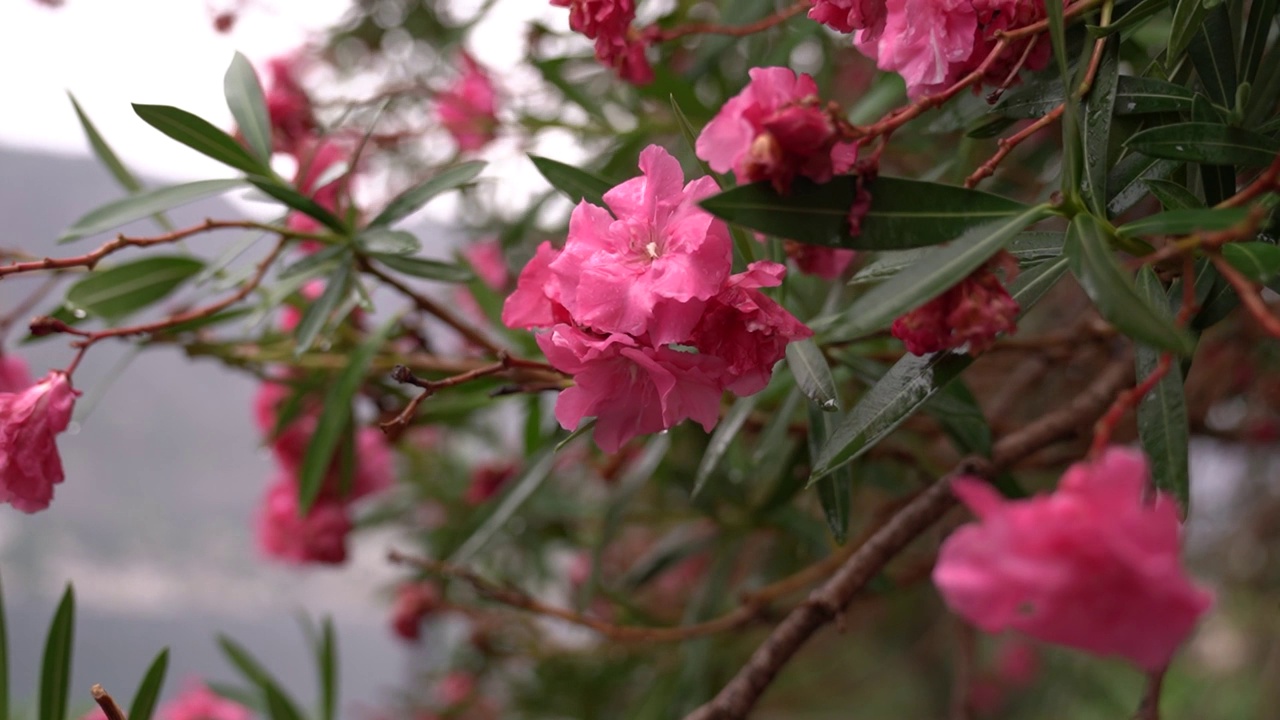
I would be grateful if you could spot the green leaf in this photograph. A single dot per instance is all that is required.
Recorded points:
(834, 490)
(279, 706)
(522, 488)
(55, 668)
(1256, 30)
(1135, 17)
(317, 314)
(1028, 248)
(148, 692)
(930, 276)
(295, 200)
(1032, 100)
(813, 375)
(335, 415)
(424, 268)
(202, 136)
(1099, 107)
(1172, 195)
(1162, 413)
(416, 197)
(327, 664)
(248, 106)
(322, 261)
(1113, 292)
(1184, 221)
(1142, 95)
(1212, 52)
(1259, 261)
(1058, 36)
(384, 241)
(957, 411)
(1203, 142)
(578, 184)
(103, 151)
(1127, 183)
(903, 214)
(118, 291)
(143, 204)
(1188, 16)
(721, 439)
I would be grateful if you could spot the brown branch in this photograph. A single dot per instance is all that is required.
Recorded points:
(431, 307)
(1149, 707)
(107, 703)
(656, 34)
(1006, 146)
(827, 602)
(505, 363)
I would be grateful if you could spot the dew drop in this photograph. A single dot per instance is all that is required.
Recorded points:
(79, 314)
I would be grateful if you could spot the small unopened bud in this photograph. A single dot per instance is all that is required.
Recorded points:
(43, 325)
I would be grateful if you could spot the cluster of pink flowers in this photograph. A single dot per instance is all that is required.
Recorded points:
(1092, 566)
(968, 315)
(31, 416)
(778, 129)
(617, 44)
(934, 44)
(643, 312)
(467, 109)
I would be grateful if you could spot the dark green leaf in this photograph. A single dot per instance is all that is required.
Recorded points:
(1141, 95)
(416, 197)
(1256, 30)
(1188, 16)
(279, 706)
(202, 136)
(317, 314)
(1212, 52)
(578, 184)
(1172, 195)
(104, 152)
(957, 411)
(1028, 248)
(335, 416)
(297, 201)
(1130, 20)
(1184, 221)
(813, 375)
(721, 439)
(148, 692)
(327, 664)
(383, 241)
(1113, 292)
(930, 276)
(1127, 183)
(1058, 36)
(55, 668)
(1259, 261)
(1099, 107)
(1034, 99)
(1203, 142)
(1162, 413)
(248, 106)
(136, 207)
(904, 213)
(118, 291)
(424, 268)
(835, 489)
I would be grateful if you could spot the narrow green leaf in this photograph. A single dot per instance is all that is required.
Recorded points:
(103, 151)
(202, 136)
(335, 416)
(278, 704)
(813, 375)
(1203, 142)
(425, 268)
(931, 276)
(317, 315)
(1184, 221)
(327, 664)
(1135, 17)
(55, 668)
(1058, 36)
(1212, 52)
(1031, 100)
(295, 200)
(1028, 248)
(1188, 16)
(1256, 30)
(320, 262)
(535, 473)
(384, 241)
(721, 439)
(143, 204)
(903, 214)
(1172, 195)
(1142, 95)
(239, 695)
(1099, 107)
(957, 411)
(148, 692)
(1259, 261)
(248, 106)
(1162, 413)
(1113, 292)
(416, 197)
(116, 292)
(1127, 183)
(578, 184)
(583, 428)
(835, 489)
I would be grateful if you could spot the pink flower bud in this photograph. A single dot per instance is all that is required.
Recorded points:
(414, 602)
(30, 420)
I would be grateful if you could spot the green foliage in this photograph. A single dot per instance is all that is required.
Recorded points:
(117, 292)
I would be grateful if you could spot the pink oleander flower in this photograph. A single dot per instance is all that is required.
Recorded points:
(651, 269)
(748, 330)
(627, 56)
(468, 108)
(825, 262)
(847, 16)
(776, 129)
(320, 537)
(631, 389)
(1092, 566)
(198, 702)
(414, 603)
(487, 480)
(30, 420)
(487, 260)
(535, 303)
(316, 159)
(968, 315)
(597, 18)
(288, 105)
(14, 376)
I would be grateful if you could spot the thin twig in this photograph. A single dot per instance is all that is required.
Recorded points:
(431, 307)
(1249, 294)
(107, 703)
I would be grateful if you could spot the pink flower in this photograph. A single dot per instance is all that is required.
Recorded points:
(848, 15)
(320, 537)
(748, 330)
(456, 688)
(825, 262)
(1091, 566)
(14, 376)
(618, 46)
(30, 420)
(534, 302)
(969, 315)
(630, 389)
(288, 105)
(467, 108)
(487, 480)
(414, 602)
(198, 702)
(651, 268)
(626, 55)
(776, 129)
(487, 260)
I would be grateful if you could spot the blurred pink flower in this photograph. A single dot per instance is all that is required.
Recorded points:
(414, 602)
(456, 688)
(969, 315)
(486, 480)
(320, 537)
(1091, 566)
(30, 420)
(848, 15)
(617, 45)
(14, 376)
(317, 159)
(288, 105)
(198, 702)
(825, 262)
(467, 109)
(487, 260)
